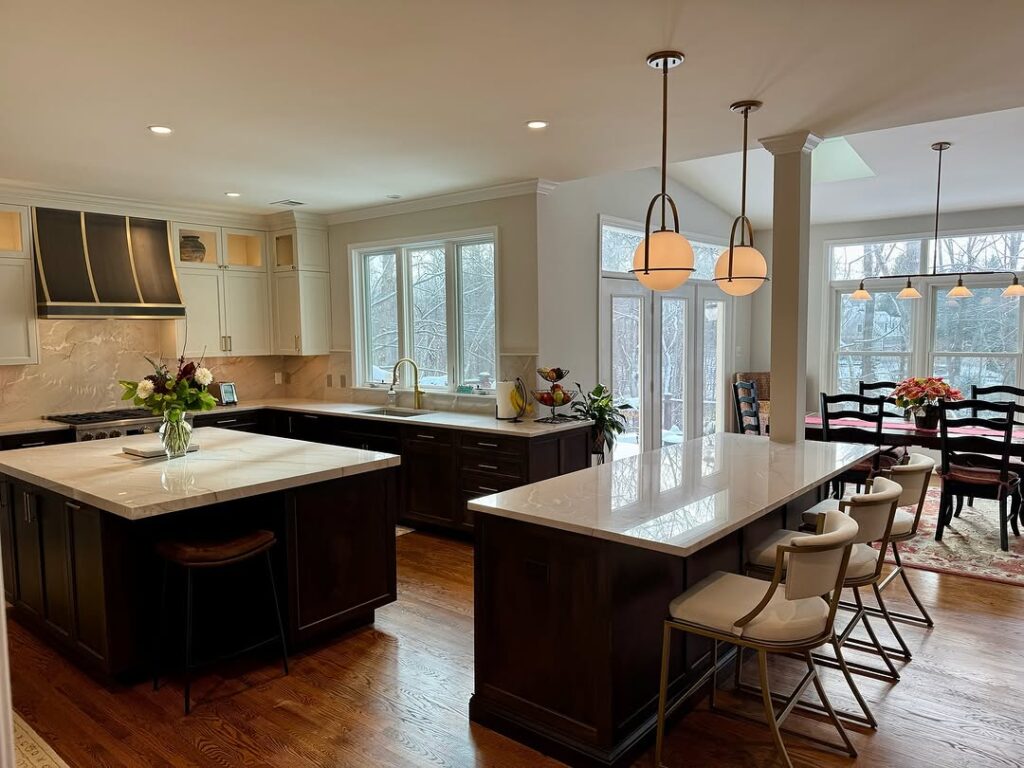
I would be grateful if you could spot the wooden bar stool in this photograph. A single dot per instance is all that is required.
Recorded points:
(207, 555)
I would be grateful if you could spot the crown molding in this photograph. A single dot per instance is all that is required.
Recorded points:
(798, 141)
(513, 189)
(19, 193)
(293, 218)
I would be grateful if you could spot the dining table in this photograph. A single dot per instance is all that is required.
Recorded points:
(897, 431)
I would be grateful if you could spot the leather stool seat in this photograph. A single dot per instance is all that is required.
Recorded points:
(200, 553)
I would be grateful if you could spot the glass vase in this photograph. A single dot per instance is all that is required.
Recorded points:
(176, 433)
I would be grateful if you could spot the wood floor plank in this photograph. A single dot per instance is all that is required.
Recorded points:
(396, 694)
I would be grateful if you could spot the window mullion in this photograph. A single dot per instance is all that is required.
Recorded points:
(453, 314)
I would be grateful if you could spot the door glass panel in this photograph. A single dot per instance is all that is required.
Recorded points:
(381, 292)
(10, 231)
(713, 368)
(627, 364)
(429, 315)
(198, 246)
(673, 370)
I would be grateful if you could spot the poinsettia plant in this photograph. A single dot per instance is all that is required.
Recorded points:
(919, 393)
(171, 394)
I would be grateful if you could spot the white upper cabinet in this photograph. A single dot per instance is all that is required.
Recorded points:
(19, 342)
(302, 313)
(225, 284)
(300, 248)
(247, 312)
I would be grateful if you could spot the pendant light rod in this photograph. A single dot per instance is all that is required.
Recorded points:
(940, 147)
(664, 138)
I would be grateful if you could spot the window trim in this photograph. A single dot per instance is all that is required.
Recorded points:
(453, 314)
(614, 221)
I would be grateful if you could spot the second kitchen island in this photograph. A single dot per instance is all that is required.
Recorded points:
(79, 524)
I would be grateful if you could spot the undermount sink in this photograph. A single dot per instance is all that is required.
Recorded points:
(401, 412)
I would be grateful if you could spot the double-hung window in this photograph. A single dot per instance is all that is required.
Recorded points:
(967, 341)
(433, 300)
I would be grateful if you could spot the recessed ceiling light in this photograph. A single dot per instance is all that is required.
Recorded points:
(160, 130)
(393, 197)
(537, 124)
(232, 194)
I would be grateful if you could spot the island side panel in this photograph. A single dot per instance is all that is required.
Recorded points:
(341, 553)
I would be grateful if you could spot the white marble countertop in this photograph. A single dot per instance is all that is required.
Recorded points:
(228, 465)
(473, 422)
(31, 425)
(681, 498)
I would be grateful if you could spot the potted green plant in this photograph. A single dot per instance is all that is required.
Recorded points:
(598, 406)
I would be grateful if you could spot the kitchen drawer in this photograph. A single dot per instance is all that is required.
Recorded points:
(481, 484)
(491, 463)
(248, 421)
(34, 439)
(493, 443)
(429, 435)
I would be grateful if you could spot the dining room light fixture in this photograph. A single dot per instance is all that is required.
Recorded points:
(861, 293)
(958, 291)
(664, 259)
(909, 292)
(1014, 289)
(741, 269)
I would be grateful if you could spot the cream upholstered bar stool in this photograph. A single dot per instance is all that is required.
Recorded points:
(874, 512)
(913, 477)
(737, 609)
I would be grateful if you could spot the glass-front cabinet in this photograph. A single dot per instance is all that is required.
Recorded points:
(197, 246)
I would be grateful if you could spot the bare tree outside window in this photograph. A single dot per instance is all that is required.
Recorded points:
(381, 311)
(476, 282)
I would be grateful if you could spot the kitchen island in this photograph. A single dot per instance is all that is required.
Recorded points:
(79, 524)
(573, 577)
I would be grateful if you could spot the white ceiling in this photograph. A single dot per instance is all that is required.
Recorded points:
(983, 169)
(342, 102)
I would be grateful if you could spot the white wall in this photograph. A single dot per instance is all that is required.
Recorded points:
(568, 253)
(818, 344)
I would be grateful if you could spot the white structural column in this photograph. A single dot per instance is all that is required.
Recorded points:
(790, 262)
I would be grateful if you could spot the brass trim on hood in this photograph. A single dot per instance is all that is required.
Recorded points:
(131, 257)
(88, 264)
(39, 257)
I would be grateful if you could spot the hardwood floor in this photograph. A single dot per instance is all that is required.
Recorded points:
(396, 694)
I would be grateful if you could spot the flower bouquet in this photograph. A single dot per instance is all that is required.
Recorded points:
(920, 396)
(173, 396)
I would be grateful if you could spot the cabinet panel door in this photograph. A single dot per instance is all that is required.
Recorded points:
(201, 292)
(90, 607)
(18, 344)
(312, 250)
(247, 312)
(429, 492)
(315, 305)
(52, 520)
(29, 563)
(7, 542)
(287, 322)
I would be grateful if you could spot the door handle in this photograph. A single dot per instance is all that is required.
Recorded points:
(227, 421)
(230, 344)
(33, 445)
(489, 490)
(487, 466)
(425, 437)
(487, 445)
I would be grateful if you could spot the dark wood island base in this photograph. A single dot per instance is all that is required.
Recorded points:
(568, 632)
(88, 580)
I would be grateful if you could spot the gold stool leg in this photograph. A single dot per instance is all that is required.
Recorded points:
(850, 750)
(769, 708)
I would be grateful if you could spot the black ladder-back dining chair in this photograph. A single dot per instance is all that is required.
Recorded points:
(884, 389)
(1015, 394)
(977, 465)
(748, 410)
(870, 409)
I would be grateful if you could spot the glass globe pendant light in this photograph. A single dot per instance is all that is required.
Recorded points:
(741, 268)
(664, 260)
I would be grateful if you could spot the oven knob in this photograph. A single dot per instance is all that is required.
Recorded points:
(85, 436)
(115, 433)
(100, 435)
(147, 430)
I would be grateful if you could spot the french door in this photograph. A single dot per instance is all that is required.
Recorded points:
(665, 355)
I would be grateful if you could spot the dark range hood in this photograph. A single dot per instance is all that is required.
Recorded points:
(101, 265)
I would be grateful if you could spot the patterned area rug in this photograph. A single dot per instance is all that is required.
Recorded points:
(30, 751)
(969, 547)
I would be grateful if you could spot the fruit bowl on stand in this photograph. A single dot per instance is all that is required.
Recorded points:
(556, 396)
